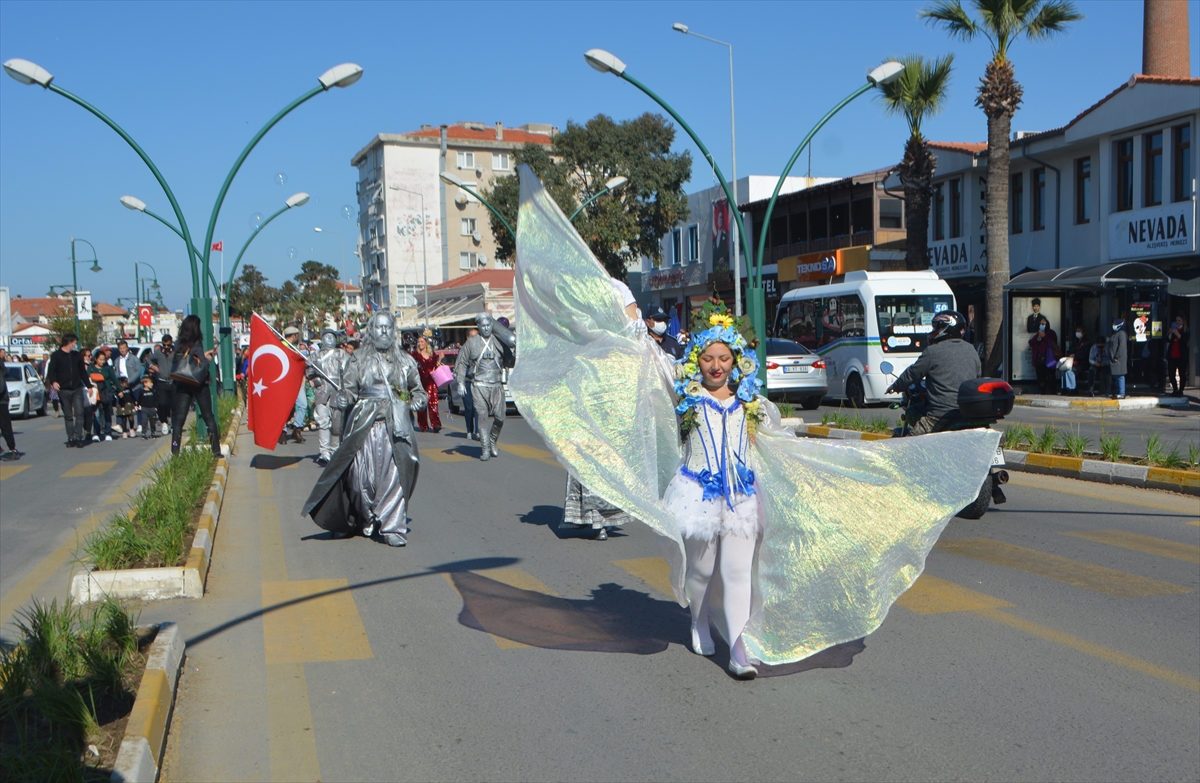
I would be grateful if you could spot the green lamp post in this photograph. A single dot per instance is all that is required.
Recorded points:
(450, 179)
(609, 187)
(75, 277)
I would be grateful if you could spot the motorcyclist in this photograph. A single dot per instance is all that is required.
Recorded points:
(943, 365)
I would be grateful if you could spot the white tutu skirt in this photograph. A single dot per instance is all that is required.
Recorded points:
(706, 520)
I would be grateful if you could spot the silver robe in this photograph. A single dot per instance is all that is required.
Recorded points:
(368, 482)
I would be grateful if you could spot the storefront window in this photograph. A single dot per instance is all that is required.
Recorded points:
(891, 213)
(1183, 162)
(955, 208)
(1124, 149)
(904, 321)
(1154, 172)
(1083, 190)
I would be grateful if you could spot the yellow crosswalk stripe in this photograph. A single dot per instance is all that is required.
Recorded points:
(445, 455)
(312, 620)
(1106, 581)
(8, 471)
(654, 571)
(1189, 553)
(930, 595)
(89, 469)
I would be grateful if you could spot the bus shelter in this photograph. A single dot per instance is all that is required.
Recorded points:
(1088, 297)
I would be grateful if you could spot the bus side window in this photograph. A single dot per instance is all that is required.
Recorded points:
(852, 316)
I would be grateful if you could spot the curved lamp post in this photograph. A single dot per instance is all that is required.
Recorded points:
(139, 289)
(75, 277)
(450, 179)
(609, 187)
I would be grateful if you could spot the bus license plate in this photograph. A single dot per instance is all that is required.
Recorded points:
(797, 368)
(998, 457)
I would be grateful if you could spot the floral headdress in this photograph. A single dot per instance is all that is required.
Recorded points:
(714, 324)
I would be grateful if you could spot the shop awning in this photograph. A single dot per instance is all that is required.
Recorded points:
(1091, 278)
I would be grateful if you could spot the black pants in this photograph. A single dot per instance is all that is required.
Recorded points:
(185, 396)
(1045, 376)
(73, 413)
(103, 420)
(164, 395)
(6, 426)
(1177, 366)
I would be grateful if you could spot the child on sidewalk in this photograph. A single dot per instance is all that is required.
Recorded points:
(126, 410)
(149, 408)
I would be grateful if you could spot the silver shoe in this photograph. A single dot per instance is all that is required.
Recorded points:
(394, 539)
(602, 535)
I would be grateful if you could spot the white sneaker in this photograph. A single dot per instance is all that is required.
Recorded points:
(95, 438)
(108, 437)
(138, 430)
(165, 429)
(117, 428)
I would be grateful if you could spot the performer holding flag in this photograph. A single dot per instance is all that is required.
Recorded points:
(273, 379)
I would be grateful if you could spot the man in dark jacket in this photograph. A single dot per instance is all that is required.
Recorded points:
(944, 365)
(68, 376)
(656, 324)
(159, 368)
(1118, 355)
(6, 429)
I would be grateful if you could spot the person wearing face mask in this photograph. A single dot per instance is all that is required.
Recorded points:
(1176, 351)
(1118, 355)
(1044, 345)
(1079, 359)
(656, 324)
(68, 376)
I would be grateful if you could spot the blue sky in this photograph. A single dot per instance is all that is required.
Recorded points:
(193, 81)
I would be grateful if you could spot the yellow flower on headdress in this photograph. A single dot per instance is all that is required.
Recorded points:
(720, 319)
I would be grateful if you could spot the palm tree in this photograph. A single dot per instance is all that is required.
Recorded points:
(920, 92)
(1001, 22)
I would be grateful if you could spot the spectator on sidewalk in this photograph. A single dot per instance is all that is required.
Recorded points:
(6, 429)
(1044, 344)
(160, 364)
(1118, 356)
(1176, 352)
(1098, 365)
(129, 369)
(190, 347)
(68, 376)
(1080, 359)
(148, 405)
(108, 391)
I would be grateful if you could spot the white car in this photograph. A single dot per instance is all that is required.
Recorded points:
(26, 392)
(794, 372)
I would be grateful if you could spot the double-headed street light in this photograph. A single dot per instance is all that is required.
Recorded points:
(75, 277)
(139, 289)
(756, 305)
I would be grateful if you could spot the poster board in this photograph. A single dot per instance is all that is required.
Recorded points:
(1026, 311)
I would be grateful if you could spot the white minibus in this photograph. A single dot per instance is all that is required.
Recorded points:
(856, 324)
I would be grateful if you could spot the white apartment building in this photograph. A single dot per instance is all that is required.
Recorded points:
(417, 231)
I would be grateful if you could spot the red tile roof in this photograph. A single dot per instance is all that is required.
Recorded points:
(487, 134)
(104, 308)
(347, 287)
(972, 147)
(37, 306)
(24, 327)
(495, 278)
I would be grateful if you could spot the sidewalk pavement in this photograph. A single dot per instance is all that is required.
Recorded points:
(1143, 402)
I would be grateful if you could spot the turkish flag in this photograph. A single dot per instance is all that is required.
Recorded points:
(145, 312)
(219, 246)
(273, 379)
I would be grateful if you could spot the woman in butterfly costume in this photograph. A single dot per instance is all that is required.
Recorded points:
(813, 540)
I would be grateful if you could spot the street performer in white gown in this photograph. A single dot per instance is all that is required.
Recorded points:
(365, 488)
(814, 540)
(482, 361)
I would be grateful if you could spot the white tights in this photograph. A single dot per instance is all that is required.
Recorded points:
(737, 563)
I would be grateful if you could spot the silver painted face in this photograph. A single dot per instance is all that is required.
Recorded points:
(383, 329)
(329, 341)
(485, 326)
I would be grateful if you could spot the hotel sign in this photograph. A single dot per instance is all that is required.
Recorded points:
(1168, 230)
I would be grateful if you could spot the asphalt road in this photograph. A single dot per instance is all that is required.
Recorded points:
(1177, 429)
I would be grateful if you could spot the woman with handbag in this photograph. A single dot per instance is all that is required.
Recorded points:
(108, 387)
(190, 374)
(1045, 354)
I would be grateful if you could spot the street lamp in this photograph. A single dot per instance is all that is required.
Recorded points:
(610, 186)
(450, 179)
(75, 277)
(737, 262)
(424, 243)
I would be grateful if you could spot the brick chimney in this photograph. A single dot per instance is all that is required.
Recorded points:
(1165, 45)
(500, 130)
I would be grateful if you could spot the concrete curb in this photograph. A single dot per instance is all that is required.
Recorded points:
(156, 584)
(141, 750)
(1127, 404)
(1185, 481)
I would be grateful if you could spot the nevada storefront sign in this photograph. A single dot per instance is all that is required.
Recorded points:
(1157, 231)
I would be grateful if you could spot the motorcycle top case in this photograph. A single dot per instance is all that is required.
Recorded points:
(985, 398)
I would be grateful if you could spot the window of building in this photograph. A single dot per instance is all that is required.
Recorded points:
(861, 216)
(779, 231)
(891, 213)
(500, 161)
(693, 244)
(818, 223)
(1183, 162)
(1037, 179)
(1124, 150)
(676, 246)
(406, 295)
(467, 260)
(839, 219)
(466, 160)
(468, 226)
(798, 224)
(1083, 190)
(1016, 218)
(939, 211)
(956, 202)
(1154, 164)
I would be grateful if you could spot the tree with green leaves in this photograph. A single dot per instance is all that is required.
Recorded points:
(620, 227)
(62, 323)
(920, 91)
(1001, 23)
(320, 294)
(250, 293)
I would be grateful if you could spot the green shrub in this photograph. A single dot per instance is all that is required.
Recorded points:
(1075, 444)
(1111, 446)
(786, 409)
(225, 408)
(1017, 436)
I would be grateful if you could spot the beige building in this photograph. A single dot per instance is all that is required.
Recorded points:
(417, 231)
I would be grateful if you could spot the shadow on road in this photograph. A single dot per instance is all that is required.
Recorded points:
(273, 461)
(551, 517)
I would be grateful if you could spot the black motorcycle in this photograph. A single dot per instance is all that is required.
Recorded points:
(981, 403)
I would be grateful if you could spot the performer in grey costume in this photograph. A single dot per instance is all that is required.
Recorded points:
(482, 361)
(331, 361)
(366, 486)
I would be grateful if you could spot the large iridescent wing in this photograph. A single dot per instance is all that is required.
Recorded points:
(850, 526)
(585, 381)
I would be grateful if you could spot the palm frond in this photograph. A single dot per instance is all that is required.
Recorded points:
(951, 16)
(921, 90)
(1052, 17)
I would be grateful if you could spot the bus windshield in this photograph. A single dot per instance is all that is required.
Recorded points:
(904, 321)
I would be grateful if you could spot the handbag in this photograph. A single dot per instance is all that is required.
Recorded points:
(189, 370)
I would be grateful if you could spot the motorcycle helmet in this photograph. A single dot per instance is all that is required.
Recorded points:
(947, 324)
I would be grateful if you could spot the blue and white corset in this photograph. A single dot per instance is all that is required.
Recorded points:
(718, 451)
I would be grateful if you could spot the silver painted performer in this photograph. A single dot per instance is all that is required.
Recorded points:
(331, 363)
(482, 361)
(365, 488)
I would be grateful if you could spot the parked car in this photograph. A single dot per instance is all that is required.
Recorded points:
(450, 390)
(795, 373)
(26, 392)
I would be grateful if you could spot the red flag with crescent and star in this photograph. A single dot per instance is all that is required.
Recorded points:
(273, 379)
(145, 315)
